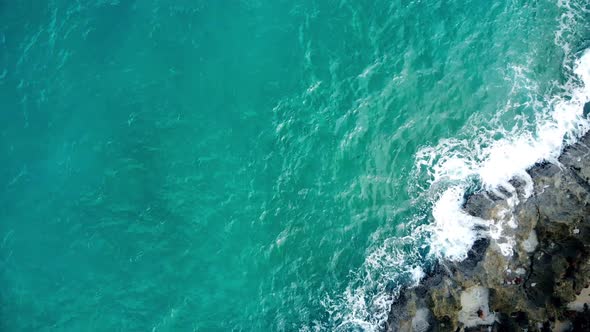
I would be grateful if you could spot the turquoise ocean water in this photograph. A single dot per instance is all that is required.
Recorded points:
(248, 165)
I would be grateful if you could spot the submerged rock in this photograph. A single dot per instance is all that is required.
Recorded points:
(544, 285)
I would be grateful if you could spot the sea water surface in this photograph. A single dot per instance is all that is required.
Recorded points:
(244, 165)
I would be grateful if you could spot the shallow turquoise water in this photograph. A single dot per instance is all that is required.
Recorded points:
(245, 165)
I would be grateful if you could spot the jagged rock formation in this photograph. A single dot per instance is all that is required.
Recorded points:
(542, 286)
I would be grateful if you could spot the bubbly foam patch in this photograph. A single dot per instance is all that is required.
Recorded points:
(560, 124)
(367, 303)
(452, 231)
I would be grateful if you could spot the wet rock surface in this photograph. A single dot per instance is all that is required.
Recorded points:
(543, 285)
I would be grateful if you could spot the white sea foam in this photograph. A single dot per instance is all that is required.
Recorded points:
(452, 164)
(495, 157)
(452, 232)
(417, 275)
(561, 123)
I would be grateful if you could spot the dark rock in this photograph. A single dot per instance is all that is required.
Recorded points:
(543, 169)
(581, 321)
(539, 285)
(434, 277)
(475, 254)
(519, 185)
(529, 290)
(421, 291)
(397, 313)
(478, 204)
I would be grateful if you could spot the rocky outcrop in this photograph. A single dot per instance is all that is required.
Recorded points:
(543, 285)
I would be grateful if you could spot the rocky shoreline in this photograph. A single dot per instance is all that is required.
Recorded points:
(542, 286)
